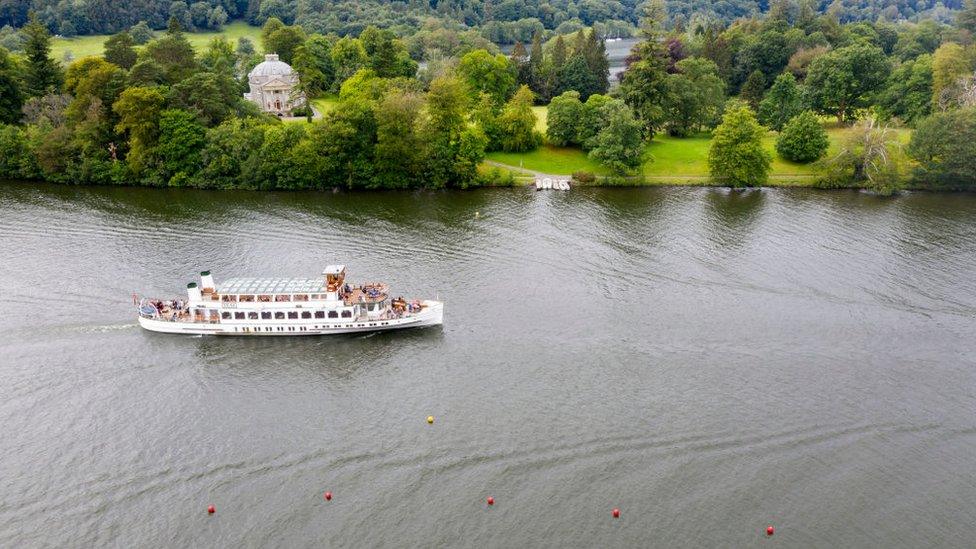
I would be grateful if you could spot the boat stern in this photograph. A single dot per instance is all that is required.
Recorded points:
(433, 313)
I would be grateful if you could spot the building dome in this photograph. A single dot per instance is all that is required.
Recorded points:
(271, 66)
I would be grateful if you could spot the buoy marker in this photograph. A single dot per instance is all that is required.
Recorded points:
(328, 496)
(430, 419)
(769, 530)
(491, 500)
(616, 513)
(211, 509)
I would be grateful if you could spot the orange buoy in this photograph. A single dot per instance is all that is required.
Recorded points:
(770, 530)
(211, 509)
(328, 496)
(491, 500)
(616, 513)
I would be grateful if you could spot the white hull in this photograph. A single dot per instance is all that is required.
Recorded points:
(431, 315)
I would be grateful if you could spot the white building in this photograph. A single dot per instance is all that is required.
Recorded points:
(273, 86)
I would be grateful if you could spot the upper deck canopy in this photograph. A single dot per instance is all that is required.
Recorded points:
(334, 269)
(272, 286)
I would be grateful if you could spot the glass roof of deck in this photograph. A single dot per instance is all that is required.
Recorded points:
(272, 286)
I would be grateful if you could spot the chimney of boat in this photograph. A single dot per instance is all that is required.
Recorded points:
(207, 282)
(193, 292)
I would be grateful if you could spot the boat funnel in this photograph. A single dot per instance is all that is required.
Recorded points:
(193, 292)
(207, 282)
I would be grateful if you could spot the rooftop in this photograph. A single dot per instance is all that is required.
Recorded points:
(272, 286)
(334, 269)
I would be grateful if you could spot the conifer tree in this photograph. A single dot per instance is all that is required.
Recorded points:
(644, 84)
(43, 74)
(595, 53)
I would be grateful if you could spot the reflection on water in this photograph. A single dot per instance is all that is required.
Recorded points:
(689, 355)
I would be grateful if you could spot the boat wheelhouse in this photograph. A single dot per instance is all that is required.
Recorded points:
(286, 306)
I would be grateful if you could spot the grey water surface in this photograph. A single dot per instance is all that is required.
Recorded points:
(709, 362)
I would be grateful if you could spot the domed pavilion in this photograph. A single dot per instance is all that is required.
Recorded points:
(273, 86)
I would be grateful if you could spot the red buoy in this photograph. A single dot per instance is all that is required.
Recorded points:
(328, 496)
(491, 500)
(769, 530)
(211, 509)
(616, 513)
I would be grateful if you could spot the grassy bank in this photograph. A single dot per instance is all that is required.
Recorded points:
(668, 160)
(81, 46)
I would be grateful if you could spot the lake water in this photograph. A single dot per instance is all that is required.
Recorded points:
(707, 361)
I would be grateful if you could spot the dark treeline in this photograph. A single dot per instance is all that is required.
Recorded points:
(502, 21)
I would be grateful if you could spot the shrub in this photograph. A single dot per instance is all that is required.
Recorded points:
(737, 156)
(803, 139)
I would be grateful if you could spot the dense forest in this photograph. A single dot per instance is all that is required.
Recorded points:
(161, 113)
(502, 21)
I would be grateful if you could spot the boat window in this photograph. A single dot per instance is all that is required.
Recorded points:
(248, 298)
(239, 315)
(346, 314)
(252, 315)
(266, 315)
(319, 314)
(306, 314)
(225, 315)
(316, 296)
(292, 314)
(280, 315)
(301, 297)
(264, 298)
(280, 297)
(229, 298)
(333, 314)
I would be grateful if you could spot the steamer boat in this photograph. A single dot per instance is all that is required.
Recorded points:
(284, 307)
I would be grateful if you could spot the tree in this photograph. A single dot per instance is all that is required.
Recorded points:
(313, 61)
(908, 92)
(565, 112)
(966, 18)
(736, 155)
(944, 145)
(271, 25)
(949, 63)
(141, 33)
(783, 101)
(444, 132)
(181, 138)
(284, 42)
(43, 74)
(517, 123)
(575, 75)
(11, 97)
(523, 67)
(348, 56)
(398, 145)
(212, 97)
(803, 139)
(695, 96)
(491, 74)
(138, 110)
(619, 146)
(559, 53)
(595, 52)
(219, 56)
(753, 90)
(120, 51)
(644, 83)
(843, 80)
(867, 158)
(174, 54)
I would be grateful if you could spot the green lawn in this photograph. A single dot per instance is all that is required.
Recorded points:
(551, 160)
(667, 159)
(82, 46)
